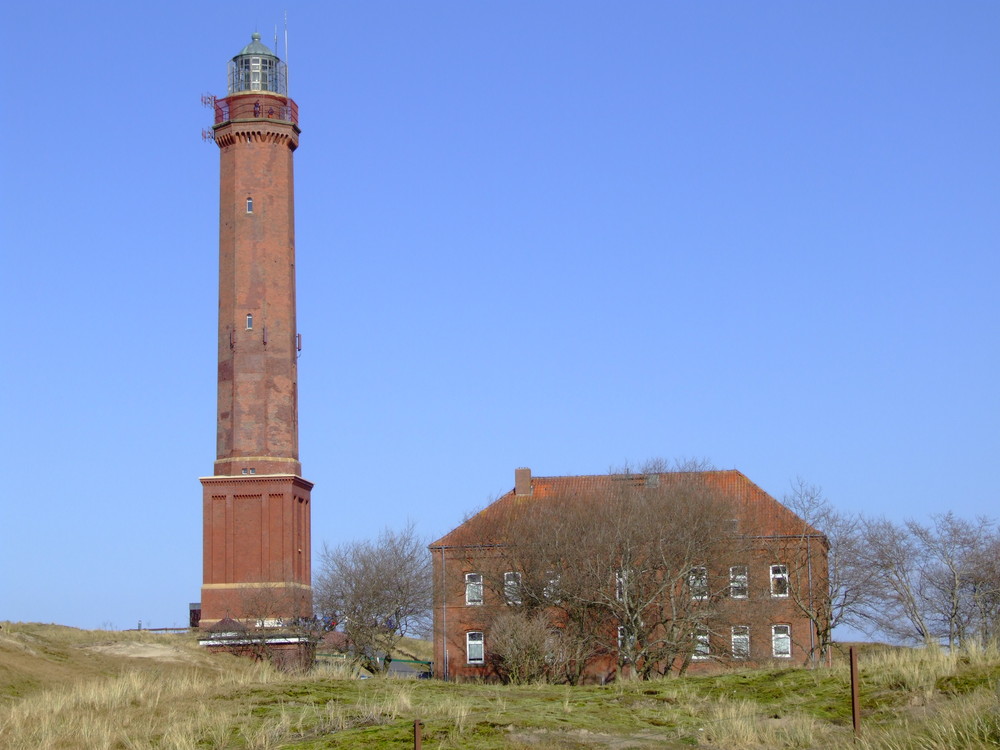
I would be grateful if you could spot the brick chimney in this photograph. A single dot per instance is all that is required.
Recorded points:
(522, 481)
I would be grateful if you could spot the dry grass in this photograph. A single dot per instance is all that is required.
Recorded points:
(34, 657)
(141, 708)
(973, 722)
(742, 724)
(144, 690)
(68, 688)
(914, 671)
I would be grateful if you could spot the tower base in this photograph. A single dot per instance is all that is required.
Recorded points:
(257, 553)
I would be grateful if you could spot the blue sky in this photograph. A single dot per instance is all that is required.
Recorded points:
(557, 234)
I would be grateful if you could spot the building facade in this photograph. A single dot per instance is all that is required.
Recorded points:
(256, 504)
(634, 573)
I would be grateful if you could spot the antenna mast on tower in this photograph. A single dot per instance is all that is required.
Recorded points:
(208, 100)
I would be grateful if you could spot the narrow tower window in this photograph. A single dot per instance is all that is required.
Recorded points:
(249, 321)
(249, 205)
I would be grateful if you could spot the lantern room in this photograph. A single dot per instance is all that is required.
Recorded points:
(256, 69)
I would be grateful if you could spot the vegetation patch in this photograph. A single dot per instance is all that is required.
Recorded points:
(911, 699)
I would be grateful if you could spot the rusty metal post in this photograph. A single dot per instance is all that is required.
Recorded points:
(417, 734)
(855, 694)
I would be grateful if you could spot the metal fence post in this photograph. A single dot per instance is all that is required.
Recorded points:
(855, 695)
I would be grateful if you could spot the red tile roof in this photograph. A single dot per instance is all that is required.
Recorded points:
(752, 503)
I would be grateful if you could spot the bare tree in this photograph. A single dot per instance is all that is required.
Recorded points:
(850, 579)
(377, 591)
(623, 571)
(952, 553)
(664, 599)
(983, 580)
(895, 558)
(521, 646)
(932, 583)
(537, 572)
(275, 624)
(270, 606)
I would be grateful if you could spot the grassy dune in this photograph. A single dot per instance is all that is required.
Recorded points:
(65, 688)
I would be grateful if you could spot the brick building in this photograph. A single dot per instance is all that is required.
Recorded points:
(735, 576)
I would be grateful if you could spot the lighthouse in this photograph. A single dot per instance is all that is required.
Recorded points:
(256, 504)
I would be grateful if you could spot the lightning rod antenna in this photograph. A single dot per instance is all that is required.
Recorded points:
(286, 49)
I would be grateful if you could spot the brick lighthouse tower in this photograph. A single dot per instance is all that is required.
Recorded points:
(256, 505)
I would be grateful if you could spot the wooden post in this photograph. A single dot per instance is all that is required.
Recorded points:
(417, 734)
(855, 699)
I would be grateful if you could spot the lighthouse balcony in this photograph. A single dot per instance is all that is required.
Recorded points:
(256, 107)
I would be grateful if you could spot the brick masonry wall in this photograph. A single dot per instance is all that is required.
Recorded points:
(257, 536)
(760, 610)
(257, 548)
(257, 376)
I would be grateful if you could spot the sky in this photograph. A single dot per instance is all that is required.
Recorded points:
(561, 235)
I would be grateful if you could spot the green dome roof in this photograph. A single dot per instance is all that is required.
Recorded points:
(256, 47)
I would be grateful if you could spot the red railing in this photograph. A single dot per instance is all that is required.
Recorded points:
(266, 106)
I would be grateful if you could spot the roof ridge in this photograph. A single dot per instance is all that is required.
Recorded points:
(639, 473)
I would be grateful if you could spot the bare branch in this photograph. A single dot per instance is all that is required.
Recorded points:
(377, 591)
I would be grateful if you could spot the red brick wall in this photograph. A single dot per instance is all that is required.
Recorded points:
(760, 610)
(257, 377)
(257, 547)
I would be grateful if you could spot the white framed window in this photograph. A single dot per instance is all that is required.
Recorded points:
(698, 582)
(701, 645)
(249, 205)
(249, 321)
(473, 588)
(512, 587)
(781, 641)
(779, 580)
(474, 651)
(626, 641)
(738, 582)
(621, 584)
(741, 641)
(551, 590)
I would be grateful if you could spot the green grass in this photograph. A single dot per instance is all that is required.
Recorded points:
(70, 689)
